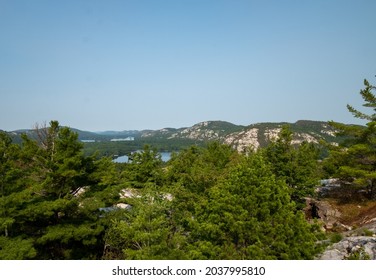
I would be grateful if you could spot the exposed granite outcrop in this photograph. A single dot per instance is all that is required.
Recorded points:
(358, 247)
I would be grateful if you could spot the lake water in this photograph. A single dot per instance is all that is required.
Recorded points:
(166, 156)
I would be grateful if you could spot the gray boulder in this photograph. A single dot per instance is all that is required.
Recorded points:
(362, 247)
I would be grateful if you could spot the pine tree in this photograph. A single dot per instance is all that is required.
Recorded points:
(51, 195)
(297, 165)
(146, 231)
(12, 245)
(250, 215)
(354, 161)
(144, 168)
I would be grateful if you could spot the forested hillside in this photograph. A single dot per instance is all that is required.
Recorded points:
(210, 201)
(205, 203)
(119, 143)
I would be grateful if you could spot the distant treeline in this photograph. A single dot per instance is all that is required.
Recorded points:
(108, 148)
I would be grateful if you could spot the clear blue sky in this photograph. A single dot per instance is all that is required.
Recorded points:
(119, 65)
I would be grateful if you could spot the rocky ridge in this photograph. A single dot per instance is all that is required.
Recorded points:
(355, 237)
(353, 247)
(238, 136)
(244, 137)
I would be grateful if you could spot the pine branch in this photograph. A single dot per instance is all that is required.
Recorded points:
(358, 114)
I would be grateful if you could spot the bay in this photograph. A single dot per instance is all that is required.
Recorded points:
(166, 156)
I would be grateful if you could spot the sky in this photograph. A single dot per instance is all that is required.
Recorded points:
(123, 65)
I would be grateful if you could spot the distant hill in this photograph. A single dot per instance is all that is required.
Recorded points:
(82, 135)
(259, 135)
(203, 131)
(240, 137)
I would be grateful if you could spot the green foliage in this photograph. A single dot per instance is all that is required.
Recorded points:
(297, 166)
(44, 213)
(249, 215)
(370, 101)
(222, 205)
(16, 248)
(368, 232)
(205, 203)
(359, 254)
(198, 169)
(335, 237)
(354, 162)
(145, 168)
(146, 231)
(108, 148)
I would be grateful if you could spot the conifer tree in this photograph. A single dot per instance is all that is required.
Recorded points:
(297, 165)
(250, 215)
(13, 244)
(354, 161)
(51, 195)
(144, 168)
(146, 231)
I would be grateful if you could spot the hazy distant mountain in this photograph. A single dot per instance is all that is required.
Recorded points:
(16, 135)
(240, 137)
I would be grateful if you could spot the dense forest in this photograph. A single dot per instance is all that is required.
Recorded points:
(206, 202)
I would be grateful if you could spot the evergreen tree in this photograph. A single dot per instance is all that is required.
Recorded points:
(205, 203)
(354, 161)
(250, 215)
(296, 165)
(146, 231)
(199, 168)
(12, 245)
(145, 168)
(191, 174)
(51, 194)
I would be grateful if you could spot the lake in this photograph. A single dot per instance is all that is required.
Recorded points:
(166, 156)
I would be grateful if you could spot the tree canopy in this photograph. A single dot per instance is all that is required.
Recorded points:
(205, 203)
(354, 161)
